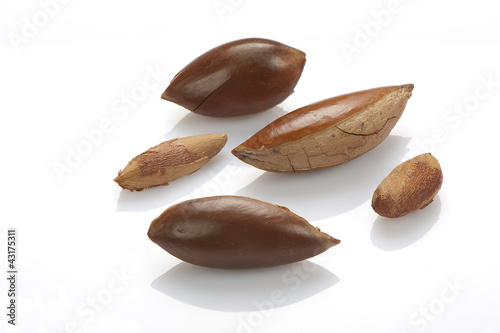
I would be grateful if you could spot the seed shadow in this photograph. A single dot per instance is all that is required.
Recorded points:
(244, 290)
(238, 129)
(391, 234)
(331, 191)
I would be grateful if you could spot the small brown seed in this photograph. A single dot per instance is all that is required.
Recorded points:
(170, 160)
(410, 186)
(236, 232)
(237, 78)
(326, 133)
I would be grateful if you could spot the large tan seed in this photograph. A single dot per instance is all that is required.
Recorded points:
(411, 185)
(236, 232)
(328, 132)
(170, 160)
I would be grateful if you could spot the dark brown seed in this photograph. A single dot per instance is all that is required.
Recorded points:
(411, 185)
(237, 78)
(326, 133)
(236, 232)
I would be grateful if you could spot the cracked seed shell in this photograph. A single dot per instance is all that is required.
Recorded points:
(410, 186)
(326, 133)
(237, 78)
(169, 161)
(236, 232)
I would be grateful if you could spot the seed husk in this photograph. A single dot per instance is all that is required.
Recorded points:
(169, 161)
(410, 186)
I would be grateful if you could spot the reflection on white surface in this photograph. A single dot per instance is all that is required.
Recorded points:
(330, 191)
(244, 290)
(396, 233)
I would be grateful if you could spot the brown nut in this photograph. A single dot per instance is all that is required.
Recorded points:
(170, 160)
(237, 78)
(326, 133)
(236, 232)
(410, 186)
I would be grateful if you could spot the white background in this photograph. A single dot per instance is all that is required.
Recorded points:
(85, 262)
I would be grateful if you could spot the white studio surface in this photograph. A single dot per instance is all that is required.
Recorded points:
(86, 77)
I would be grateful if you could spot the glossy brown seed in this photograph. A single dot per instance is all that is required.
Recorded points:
(169, 161)
(236, 232)
(328, 132)
(237, 78)
(411, 185)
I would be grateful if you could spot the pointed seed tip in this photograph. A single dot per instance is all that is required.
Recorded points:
(409, 86)
(237, 151)
(223, 136)
(166, 96)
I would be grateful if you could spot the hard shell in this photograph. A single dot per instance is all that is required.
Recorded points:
(237, 78)
(236, 232)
